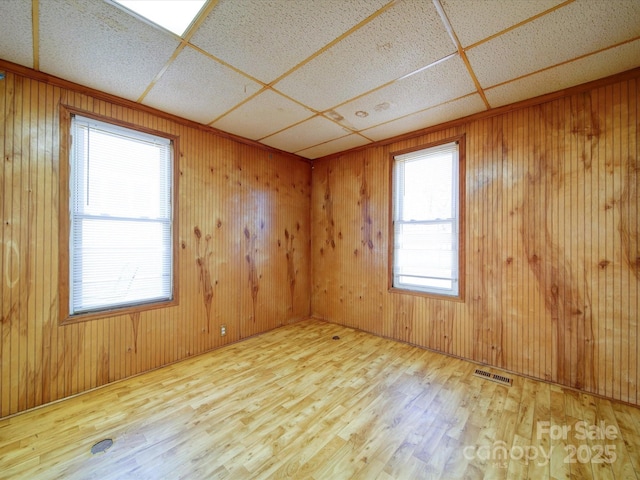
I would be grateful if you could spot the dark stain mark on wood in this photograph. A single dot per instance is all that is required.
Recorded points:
(291, 268)
(604, 264)
(327, 206)
(103, 367)
(6, 317)
(585, 124)
(204, 273)
(365, 209)
(628, 224)
(50, 323)
(254, 280)
(135, 323)
(568, 306)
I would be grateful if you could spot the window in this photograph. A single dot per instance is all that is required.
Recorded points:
(426, 220)
(120, 220)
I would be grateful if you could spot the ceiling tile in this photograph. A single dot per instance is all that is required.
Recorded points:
(263, 115)
(334, 146)
(99, 45)
(580, 28)
(440, 83)
(267, 38)
(16, 39)
(408, 36)
(474, 21)
(432, 116)
(599, 65)
(306, 134)
(199, 88)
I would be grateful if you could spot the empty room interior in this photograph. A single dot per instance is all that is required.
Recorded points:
(328, 239)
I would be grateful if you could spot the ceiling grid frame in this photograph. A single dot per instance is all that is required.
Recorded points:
(271, 84)
(393, 103)
(35, 6)
(566, 62)
(519, 24)
(461, 51)
(184, 41)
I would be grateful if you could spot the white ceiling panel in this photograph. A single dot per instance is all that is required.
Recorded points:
(16, 41)
(267, 38)
(99, 45)
(475, 20)
(248, 120)
(408, 36)
(199, 88)
(339, 145)
(584, 70)
(432, 116)
(577, 29)
(306, 134)
(440, 83)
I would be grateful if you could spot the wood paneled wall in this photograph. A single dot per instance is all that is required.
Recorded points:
(244, 259)
(552, 253)
(552, 256)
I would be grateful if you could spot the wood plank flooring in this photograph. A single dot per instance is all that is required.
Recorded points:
(296, 403)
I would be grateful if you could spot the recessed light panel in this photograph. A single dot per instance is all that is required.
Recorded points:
(174, 15)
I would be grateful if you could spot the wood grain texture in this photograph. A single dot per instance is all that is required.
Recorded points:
(226, 188)
(552, 285)
(295, 403)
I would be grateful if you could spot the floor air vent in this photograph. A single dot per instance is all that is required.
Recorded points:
(102, 446)
(501, 379)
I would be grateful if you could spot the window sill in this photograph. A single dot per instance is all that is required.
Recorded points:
(115, 312)
(401, 291)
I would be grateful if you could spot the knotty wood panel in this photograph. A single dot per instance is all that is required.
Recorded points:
(243, 250)
(552, 255)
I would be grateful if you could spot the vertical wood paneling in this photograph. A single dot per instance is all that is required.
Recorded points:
(224, 187)
(552, 279)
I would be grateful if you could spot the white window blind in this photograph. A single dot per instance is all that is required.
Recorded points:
(121, 217)
(425, 220)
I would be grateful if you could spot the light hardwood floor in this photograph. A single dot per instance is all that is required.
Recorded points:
(295, 403)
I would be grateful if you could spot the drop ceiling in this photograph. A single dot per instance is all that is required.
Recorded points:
(316, 77)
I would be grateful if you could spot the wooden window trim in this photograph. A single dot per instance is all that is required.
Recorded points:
(64, 223)
(461, 139)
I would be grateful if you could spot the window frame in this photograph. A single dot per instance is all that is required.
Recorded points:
(64, 221)
(460, 297)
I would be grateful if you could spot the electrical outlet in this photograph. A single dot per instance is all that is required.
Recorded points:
(223, 330)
